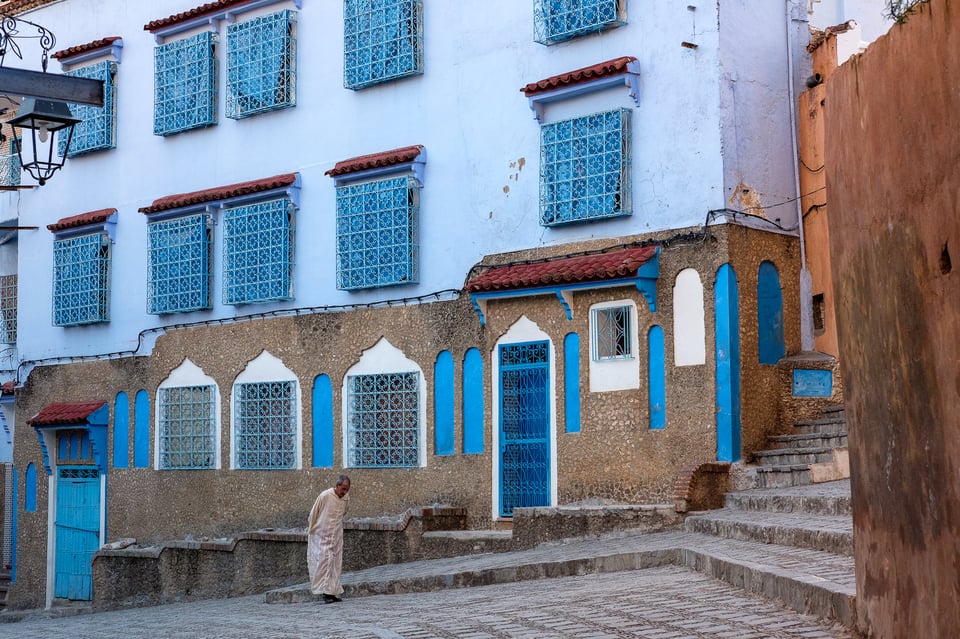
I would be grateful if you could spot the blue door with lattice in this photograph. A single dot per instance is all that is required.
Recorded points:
(77, 531)
(524, 426)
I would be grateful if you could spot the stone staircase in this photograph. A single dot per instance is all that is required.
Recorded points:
(4, 587)
(815, 452)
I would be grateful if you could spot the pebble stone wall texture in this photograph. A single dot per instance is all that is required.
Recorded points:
(615, 457)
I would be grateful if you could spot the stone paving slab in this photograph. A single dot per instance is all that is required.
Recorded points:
(658, 603)
(832, 533)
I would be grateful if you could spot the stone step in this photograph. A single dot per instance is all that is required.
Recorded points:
(824, 425)
(783, 476)
(448, 543)
(829, 498)
(832, 410)
(793, 456)
(810, 440)
(827, 533)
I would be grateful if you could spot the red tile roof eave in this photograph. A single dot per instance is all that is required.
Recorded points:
(103, 43)
(196, 12)
(376, 160)
(93, 217)
(617, 66)
(583, 269)
(65, 413)
(220, 193)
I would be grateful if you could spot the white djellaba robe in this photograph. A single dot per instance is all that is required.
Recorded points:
(325, 543)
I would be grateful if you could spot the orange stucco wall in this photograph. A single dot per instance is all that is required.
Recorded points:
(892, 158)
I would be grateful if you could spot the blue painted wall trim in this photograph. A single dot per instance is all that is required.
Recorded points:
(322, 422)
(571, 382)
(443, 404)
(727, 316)
(656, 371)
(121, 431)
(472, 402)
(812, 383)
(141, 430)
(770, 347)
(30, 489)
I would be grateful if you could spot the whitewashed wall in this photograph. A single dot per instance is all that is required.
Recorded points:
(467, 110)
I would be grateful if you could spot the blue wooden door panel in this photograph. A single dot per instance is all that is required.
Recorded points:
(770, 342)
(728, 364)
(77, 531)
(524, 426)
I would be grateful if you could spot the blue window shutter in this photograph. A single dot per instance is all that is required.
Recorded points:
(472, 402)
(571, 381)
(141, 430)
(443, 404)
(322, 422)
(121, 431)
(771, 346)
(30, 489)
(656, 370)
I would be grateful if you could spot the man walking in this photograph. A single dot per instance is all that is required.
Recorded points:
(325, 540)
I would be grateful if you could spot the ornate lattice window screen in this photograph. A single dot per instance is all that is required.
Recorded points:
(612, 333)
(585, 168)
(8, 309)
(261, 58)
(98, 127)
(559, 20)
(383, 420)
(382, 40)
(187, 421)
(258, 252)
(10, 168)
(179, 278)
(185, 86)
(81, 268)
(377, 233)
(265, 416)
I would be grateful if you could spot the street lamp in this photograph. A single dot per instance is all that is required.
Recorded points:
(43, 118)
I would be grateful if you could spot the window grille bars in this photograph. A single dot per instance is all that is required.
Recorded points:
(384, 420)
(377, 233)
(187, 421)
(585, 168)
(266, 425)
(81, 280)
(8, 309)
(179, 265)
(185, 84)
(97, 129)
(382, 41)
(261, 65)
(612, 335)
(258, 250)
(558, 20)
(10, 168)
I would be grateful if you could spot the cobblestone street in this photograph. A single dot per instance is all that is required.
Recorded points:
(661, 603)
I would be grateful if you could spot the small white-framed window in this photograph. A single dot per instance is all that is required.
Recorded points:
(266, 428)
(188, 420)
(614, 346)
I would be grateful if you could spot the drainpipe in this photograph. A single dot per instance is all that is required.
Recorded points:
(806, 280)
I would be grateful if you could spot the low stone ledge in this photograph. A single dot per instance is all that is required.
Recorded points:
(534, 525)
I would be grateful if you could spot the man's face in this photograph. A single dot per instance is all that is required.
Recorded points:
(342, 489)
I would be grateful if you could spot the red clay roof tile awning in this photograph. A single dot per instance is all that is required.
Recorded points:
(220, 193)
(202, 10)
(613, 67)
(65, 414)
(9, 387)
(103, 43)
(563, 271)
(93, 217)
(376, 160)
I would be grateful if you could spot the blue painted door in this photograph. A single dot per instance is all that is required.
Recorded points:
(77, 531)
(524, 426)
(726, 307)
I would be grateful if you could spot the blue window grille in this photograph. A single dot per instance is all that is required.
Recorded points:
(266, 425)
(179, 278)
(97, 129)
(382, 40)
(612, 334)
(383, 421)
(187, 418)
(585, 168)
(81, 280)
(261, 73)
(258, 252)
(185, 87)
(8, 309)
(559, 20)
(377, 233)
(9, 163)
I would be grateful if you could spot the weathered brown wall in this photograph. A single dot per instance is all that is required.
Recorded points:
(893, 176)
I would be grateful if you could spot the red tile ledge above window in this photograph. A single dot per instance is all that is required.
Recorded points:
(211, 14)
(363, 167)
(624, 70)
(285, 185)
(99, 220)
(82, 53)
